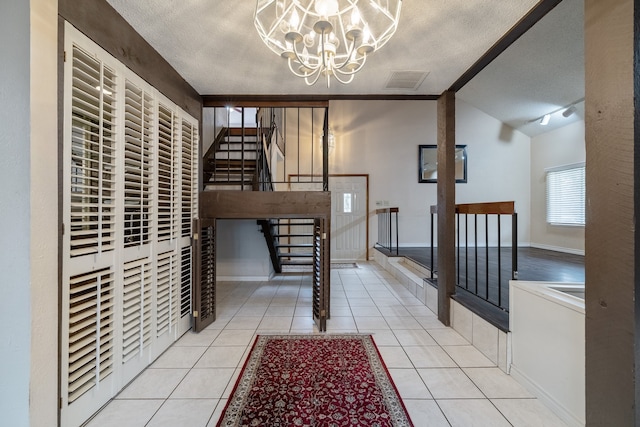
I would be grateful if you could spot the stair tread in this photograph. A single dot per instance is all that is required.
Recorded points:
(284, 262)
(292, 235)
(295, 245)
(295, 255)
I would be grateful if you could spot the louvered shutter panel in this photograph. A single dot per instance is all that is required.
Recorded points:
(92, 222)
(90, 349)
(187, 178)
(163, 292)
(186, 277)
(137, 165)
(136, 322)
(165, 172)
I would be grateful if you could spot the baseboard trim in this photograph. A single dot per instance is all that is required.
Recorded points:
(557, 249)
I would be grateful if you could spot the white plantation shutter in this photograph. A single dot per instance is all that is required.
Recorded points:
(129, 195)
(188, 153)
(92, 222)
(165, 172)
(186, 277)
(164, 293)
(91, 318)
(566, 196)
(136, 316)
(138, 167)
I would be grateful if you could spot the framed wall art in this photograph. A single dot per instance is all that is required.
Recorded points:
(428, 163)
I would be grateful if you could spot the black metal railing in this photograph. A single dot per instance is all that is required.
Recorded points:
(388, 229)
(480, 253)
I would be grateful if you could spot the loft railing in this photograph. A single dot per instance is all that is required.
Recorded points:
(388, 229)
(484, 265)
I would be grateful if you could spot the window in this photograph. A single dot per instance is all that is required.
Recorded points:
(566, 195)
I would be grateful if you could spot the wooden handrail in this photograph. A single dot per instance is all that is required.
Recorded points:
(489, 208)
(387, 210)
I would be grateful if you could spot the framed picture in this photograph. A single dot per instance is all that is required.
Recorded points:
(428, 163)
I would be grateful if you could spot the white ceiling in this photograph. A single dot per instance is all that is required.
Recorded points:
(215, 47)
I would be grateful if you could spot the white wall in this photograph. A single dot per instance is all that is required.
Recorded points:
(560, 147)
(28, 213)
(242, 252)
(15, 307)
(497, 168)
(381, 138)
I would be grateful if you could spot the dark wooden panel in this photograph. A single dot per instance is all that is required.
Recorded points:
(101, 23)
(446, 204)
(204, 289)
(506, 208)
(301, 100)
(611, 257)
(230, 204)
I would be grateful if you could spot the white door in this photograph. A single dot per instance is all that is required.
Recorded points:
(348, 218)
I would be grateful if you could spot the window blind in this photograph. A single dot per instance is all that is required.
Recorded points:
(566, 195)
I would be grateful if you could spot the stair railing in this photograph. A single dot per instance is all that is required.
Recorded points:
(388, 229)
(479, 267)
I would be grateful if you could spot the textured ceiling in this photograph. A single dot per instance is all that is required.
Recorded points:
(215, 47)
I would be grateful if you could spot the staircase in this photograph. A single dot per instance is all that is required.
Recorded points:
(230, 162)
(290, 242)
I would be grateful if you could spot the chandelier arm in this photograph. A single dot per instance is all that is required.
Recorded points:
(301, 62)
(355, 70)
(346, 81)
(299, 74)
(306, 78)
(346, 61)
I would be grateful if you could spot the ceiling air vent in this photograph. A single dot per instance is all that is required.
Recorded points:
(410, 80)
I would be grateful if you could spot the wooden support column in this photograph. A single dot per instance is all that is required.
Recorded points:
(446, 203)
(612, 236)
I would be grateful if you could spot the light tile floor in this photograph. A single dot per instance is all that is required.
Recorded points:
(442, 379)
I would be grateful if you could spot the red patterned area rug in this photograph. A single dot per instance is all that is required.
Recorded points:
(314, 380)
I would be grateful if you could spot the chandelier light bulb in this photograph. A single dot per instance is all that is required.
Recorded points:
(349, 31)
(355, 16)
(295, 20)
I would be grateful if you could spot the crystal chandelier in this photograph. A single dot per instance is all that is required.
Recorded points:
(326, 37)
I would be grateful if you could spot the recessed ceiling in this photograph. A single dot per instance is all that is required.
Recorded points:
(215, 47)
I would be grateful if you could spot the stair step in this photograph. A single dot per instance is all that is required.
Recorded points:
(237, 149)
(223, 186)
(295, 245)
(292, 262)
(295, 255)
(237, 131)
(292, 224)
(292, 235)
(235, 155)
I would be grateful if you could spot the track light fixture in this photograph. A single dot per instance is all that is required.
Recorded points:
(567, 111)
(545, 120)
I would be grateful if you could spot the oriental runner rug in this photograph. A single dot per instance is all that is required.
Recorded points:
(314, 380)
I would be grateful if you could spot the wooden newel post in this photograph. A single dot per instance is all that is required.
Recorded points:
(446, 203)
